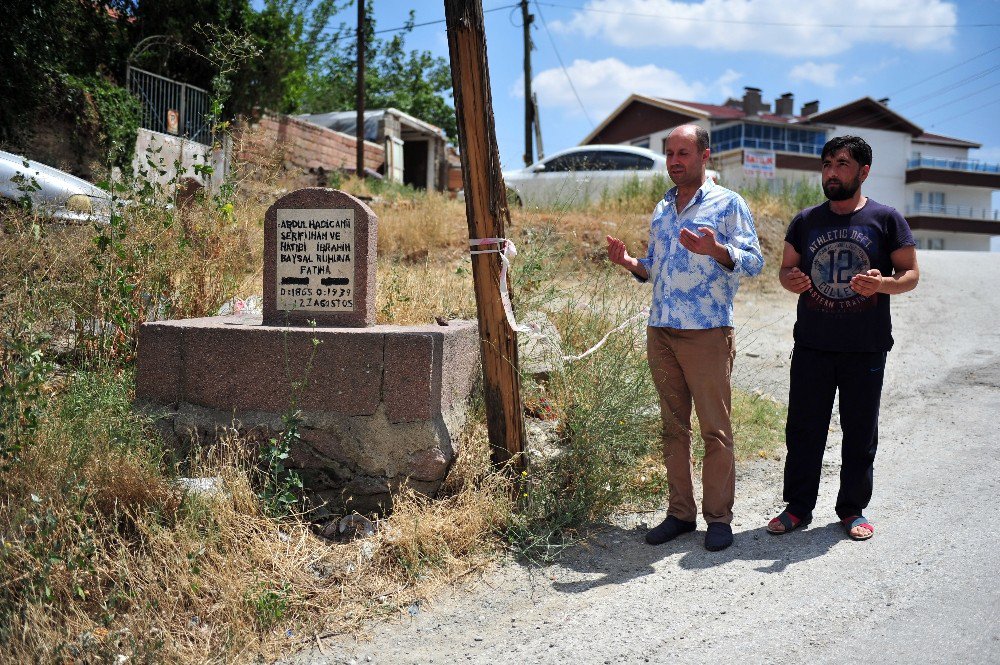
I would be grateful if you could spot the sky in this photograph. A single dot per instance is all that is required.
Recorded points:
(938, 62)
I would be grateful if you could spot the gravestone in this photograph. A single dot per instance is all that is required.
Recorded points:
(380, 406)
(319, 260)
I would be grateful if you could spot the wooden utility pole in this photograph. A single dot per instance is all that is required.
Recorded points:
(536, 118)
(487, 213)
(529, 108)
(361, 90)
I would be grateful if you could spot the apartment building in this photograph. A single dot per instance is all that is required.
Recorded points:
(945, 195)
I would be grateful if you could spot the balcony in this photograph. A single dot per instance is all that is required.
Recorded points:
(952, 164)
(953, 172)
(957, 218)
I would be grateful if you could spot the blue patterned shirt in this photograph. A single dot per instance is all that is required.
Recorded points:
(692, 291)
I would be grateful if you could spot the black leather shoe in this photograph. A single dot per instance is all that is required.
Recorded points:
(718, 537)
(669, 529)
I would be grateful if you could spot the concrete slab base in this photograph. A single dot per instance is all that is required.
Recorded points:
(379, 406)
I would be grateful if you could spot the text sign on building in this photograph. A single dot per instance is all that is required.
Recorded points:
(315, 260)
(759, 162)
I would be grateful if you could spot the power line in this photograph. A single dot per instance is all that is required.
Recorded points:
(943, 71)
(960, 99)
(995, 101)
(951, 86)
(420, 25)
(767, 23)
(327, 37)
(559, 58)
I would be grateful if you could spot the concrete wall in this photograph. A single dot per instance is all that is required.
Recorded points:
(978, 198)
(969, 242)
(156, 154)
(939, 151)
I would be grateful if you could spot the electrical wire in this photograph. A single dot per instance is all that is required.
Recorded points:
(960, 115)
(326, 37)
(943, 71)
(559, 58)
(950, 86)
(955, 101)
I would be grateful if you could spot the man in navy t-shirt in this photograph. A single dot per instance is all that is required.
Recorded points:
(844, 258)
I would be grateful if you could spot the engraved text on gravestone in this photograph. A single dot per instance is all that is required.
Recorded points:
(315, 260)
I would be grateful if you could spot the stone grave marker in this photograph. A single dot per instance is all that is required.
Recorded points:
(319, 260)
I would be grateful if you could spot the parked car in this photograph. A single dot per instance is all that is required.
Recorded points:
(582, 174)
(51, 192)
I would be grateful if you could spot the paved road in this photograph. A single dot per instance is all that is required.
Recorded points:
(923, 590)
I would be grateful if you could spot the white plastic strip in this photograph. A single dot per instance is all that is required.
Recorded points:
(508, 251)
(644, 314)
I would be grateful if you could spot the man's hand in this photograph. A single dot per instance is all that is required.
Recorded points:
(617, 252)
(795, 280)
(706, 245)
(620, 256)
(867, 284)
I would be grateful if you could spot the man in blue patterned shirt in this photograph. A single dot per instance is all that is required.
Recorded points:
(701, 239)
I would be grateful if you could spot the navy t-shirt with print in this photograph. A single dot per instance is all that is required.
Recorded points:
(833, 249)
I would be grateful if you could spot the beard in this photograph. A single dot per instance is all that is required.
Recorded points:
(840, 191)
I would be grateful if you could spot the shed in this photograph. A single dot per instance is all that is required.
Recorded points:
(414, 149)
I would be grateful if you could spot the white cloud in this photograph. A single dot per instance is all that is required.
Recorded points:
(604, 84)
(815, 28)
(825, 74)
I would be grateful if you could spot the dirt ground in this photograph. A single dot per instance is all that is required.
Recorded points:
(922, 590)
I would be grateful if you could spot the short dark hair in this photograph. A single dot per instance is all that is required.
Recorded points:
(857, 146)
(701, 137)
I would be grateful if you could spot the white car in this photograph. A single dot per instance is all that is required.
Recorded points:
(51, 192)
(584, 174)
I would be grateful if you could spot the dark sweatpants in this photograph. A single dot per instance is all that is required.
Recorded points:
(815, 378)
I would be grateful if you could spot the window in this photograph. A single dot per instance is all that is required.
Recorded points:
(769, 137)
(641, 143)
(918, 200)
(571, 162)
(935, 201)
(935, 243)
(623, 161)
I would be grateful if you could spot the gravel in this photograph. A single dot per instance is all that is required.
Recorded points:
(922, 590)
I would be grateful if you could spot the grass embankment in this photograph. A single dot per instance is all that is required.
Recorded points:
(101, 554)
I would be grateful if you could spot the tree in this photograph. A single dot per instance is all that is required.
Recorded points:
(415, 82)
(48, 41)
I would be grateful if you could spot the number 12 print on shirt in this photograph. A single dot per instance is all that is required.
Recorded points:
(833, 258)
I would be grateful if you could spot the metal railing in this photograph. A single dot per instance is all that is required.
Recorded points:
(957, 211)
(952, 164)
(171, 107)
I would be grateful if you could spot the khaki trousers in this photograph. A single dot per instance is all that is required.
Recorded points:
(696, 365)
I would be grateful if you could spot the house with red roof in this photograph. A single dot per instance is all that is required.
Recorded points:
(945, 195)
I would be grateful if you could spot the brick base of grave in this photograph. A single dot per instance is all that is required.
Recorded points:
(380, 407)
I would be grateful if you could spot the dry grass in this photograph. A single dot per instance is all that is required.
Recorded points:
(102, 554)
